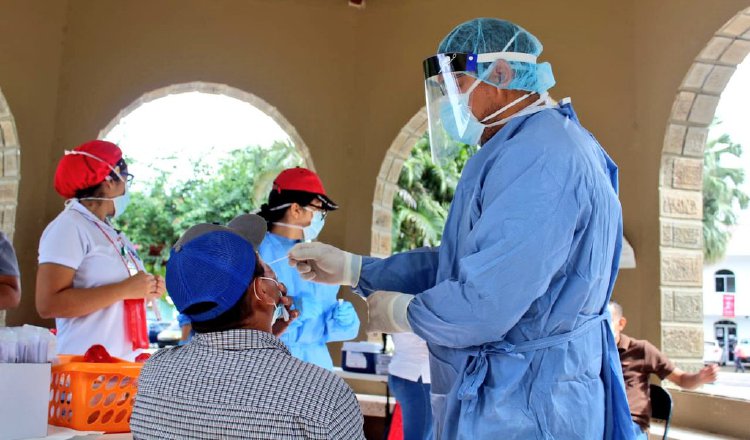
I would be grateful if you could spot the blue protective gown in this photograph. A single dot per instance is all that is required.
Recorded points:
(317, 324)
(513, 302)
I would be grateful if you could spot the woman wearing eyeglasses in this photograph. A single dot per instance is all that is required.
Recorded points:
(90, 277)
(296, 211)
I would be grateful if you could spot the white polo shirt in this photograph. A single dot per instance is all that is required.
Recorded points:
(411, 358)
(76, 239)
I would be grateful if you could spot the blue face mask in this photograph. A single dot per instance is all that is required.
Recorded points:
(311, 231)
(461, 124)
(278, 313)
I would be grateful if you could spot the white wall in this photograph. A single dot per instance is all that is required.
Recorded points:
(713, 301)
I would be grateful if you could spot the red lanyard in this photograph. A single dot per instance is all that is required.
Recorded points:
(121, 251)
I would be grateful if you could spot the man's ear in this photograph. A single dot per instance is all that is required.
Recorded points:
(254, 294)
(623, 323)
(262, 297)
(502, 74)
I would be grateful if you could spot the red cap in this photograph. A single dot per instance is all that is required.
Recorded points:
(76, 171)
(302, 179)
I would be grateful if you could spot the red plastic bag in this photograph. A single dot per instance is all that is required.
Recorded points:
(135, 322)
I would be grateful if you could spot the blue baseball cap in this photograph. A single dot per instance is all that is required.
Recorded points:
(213, 265)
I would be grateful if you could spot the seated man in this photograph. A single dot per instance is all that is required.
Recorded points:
(639, 360)
(235, 379)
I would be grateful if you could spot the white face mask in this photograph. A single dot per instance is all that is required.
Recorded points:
(121, 202)
(311, 231)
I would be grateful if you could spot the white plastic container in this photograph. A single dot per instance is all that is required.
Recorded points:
(24, 399)
(360, 357)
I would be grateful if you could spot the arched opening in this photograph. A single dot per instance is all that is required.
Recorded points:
(200, 153)
(681, 191)
(10, 175)
(223, 90)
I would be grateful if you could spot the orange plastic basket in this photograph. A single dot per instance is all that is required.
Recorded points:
(93, 397)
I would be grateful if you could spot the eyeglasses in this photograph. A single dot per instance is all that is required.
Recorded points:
(122, 176)
(320, 209)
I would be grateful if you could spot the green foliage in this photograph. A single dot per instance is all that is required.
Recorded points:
(215, 193)
(424, 194)
(721, 196)
(238, 184)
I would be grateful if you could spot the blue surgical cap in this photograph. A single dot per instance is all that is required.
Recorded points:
(487, 35)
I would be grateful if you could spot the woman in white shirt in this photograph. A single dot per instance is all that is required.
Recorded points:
(409, 379)
(90, 278)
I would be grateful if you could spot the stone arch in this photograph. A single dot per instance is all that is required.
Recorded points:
(225, 90)
(680, 189)
(10, 168)
(386, 183)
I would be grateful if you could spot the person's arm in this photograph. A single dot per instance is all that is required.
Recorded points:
(10, 292)
(347, 421)
(690, 381)
(660, 365)
(520, 241)
(407, 272)
(56, 297)
(62, 249)
(10, 285)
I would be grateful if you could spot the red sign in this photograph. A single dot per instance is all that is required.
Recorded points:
(728, 306)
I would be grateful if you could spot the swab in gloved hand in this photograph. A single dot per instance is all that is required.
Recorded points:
(325, 264)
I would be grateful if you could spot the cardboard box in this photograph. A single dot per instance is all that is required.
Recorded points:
(24, 400)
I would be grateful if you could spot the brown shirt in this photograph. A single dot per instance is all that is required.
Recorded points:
(639, 360)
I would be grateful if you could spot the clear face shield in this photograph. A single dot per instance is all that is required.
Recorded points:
(448, 122)
(449, 80)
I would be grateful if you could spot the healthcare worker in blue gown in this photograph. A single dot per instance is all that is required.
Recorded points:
(513, 304)
(296, 210)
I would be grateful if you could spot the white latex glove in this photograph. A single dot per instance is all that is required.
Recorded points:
(387, 311)
(325, 264)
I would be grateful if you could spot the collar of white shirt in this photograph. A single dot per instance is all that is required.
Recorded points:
(77, 206)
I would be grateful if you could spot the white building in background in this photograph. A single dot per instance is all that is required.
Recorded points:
(726, 293)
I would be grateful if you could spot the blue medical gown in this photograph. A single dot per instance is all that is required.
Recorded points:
(513, 302)
(306, 336)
